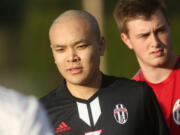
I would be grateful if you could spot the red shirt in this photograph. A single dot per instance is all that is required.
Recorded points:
(168, 95)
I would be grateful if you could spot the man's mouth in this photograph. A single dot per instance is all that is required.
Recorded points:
(157, 53)
(75, 70)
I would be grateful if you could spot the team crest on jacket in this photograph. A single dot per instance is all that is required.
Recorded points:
(176, 112)
(121, 114)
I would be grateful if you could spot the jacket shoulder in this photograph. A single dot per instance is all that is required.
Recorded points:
(45, 100)
(129, 86)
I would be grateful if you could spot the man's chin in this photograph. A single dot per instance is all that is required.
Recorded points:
(160, 63)
(76, 81)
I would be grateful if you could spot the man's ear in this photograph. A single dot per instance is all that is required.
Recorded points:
(126, 40)
(102, 46)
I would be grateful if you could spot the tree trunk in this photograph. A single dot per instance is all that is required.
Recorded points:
(96, 8)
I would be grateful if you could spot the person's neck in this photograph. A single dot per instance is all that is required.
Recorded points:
(85, 91)
(159, 74)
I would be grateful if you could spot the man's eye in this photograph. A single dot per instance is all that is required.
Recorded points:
(162, 30)
(59, 50)
(81, 46)
(144, 35)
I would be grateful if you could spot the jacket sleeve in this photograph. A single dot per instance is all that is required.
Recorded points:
(154, 119)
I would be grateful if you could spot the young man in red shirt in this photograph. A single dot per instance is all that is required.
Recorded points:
(145, 28)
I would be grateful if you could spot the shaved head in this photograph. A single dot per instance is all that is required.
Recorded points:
(77, 46)
(71, 15)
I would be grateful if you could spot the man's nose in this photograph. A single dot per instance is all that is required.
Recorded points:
(155, 40)
(72, 56)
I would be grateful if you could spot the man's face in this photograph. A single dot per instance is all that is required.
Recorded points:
(150, 40)
(76, 51)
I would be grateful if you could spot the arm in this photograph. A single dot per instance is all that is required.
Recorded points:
(35, 120)
(21, 115)
(155, 123)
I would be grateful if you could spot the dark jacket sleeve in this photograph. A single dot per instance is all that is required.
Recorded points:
(155, 123)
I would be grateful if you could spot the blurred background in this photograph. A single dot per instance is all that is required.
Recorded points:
(26, 61)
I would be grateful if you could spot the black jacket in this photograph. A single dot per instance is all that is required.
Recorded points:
(120, 107)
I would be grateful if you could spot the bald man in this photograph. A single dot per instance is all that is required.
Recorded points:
(89, 102)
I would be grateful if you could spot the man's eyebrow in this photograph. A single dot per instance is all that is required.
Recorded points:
(161, 27)
(56, 45)
(80, 41)
(141, 34)
(75, 43)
